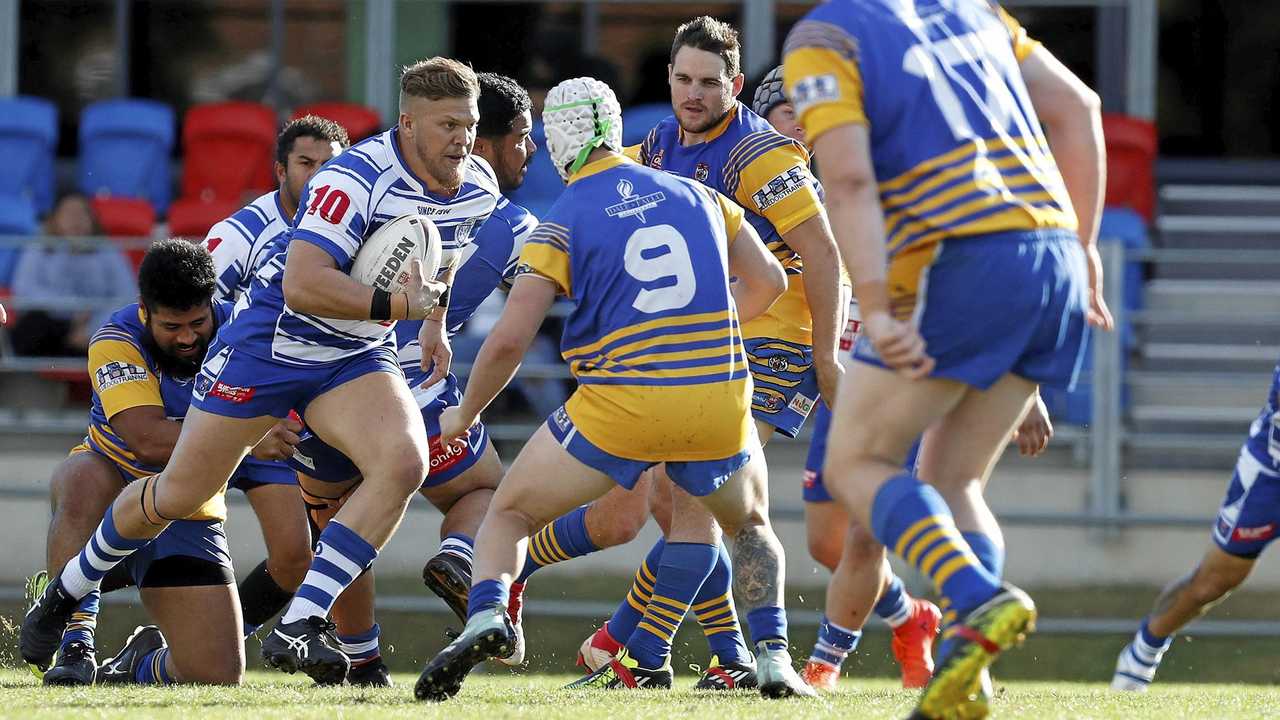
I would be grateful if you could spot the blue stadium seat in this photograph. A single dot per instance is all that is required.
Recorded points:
(124, 150)
(639, 120)
(28, 141)
(17, 217)
(1127, 226)
(542, 184)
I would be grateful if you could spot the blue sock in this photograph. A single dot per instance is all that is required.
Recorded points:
(486, 595)
(459, 545)
(987, 551)
(151, 669)
(563, 539)
(713, 605)
(105, 549)
(913, 520)
(894, 605)
(627, 616)
(361, 647)
(834, 643)
(768, 625)
(683, 568)
(341, 555)
(83, 622)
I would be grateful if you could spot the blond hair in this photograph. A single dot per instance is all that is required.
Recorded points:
(436, 78)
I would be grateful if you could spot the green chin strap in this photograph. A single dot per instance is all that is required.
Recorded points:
(602, 131)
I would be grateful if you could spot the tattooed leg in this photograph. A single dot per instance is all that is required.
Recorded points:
(1194, 594)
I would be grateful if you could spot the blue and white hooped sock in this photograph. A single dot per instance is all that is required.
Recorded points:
(834, 643)
(106, 548)
(340, 557)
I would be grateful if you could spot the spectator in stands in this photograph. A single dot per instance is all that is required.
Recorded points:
(69, 285)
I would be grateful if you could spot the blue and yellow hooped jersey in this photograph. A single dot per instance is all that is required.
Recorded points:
(653, 339)
(767, 174)
(955, 143)
(124, 375)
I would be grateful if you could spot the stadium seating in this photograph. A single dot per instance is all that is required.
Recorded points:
(542, 184)
(124, 150)
(192, 219)
(359, 121)
(28, 141)
(639, 120)
(1131, 156)
(126, 218)
(17, 217)
(227, 151)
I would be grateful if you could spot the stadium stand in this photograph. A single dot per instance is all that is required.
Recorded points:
(637, 121)
(17, 217)
(359, 121)
(227, 151)
(125, 147)
(28, 141)
(542, 184)
(192, 218)
(126, 218)
(1131, 156)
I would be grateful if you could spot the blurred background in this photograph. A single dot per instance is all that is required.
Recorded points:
(122, 121)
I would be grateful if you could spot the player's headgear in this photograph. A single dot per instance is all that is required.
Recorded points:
(579, 116)
(768, 93)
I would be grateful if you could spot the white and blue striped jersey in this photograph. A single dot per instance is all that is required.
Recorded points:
(488, 263)
(238, 244)
(344, 203)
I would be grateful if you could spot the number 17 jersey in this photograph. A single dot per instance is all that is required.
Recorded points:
(653, 339)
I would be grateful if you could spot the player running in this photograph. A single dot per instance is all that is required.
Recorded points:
(1246, 525)
(861, 580)
(462, 476)
(329, 355)
(141, 365)
(654, 343)
(932, 155)
(238, 244)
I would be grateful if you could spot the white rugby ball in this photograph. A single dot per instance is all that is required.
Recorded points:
(383, 260)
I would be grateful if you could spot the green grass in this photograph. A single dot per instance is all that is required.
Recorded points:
(487, 697)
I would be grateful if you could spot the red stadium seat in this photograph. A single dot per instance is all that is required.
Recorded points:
(192, 219)
(126, 218)
(1131, 156)
(228, 151)
(359, 121)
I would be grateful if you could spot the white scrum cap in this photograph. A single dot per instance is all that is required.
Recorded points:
(579, 116)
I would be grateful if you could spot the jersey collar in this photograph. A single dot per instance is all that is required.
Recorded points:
(605, 163)
(280, 208)
(720, 127)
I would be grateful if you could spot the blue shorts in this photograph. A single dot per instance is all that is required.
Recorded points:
(254, 473)
(815, 491)
(203, 540)
(316, 458)
(233, 383)
(996, 304)
(1250, 514)
(784, 383)
(698, 478)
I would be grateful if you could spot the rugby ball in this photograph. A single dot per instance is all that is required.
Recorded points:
(383, 260)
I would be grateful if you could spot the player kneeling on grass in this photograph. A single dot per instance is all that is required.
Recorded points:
(141, 364)
(655, 345)
(1245, 526)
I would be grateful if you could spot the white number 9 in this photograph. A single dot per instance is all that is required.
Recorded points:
(672, 264)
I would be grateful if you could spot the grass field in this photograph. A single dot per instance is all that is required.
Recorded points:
(489, 697)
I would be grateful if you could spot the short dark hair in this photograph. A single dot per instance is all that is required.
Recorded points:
(437, 78)
(713, 36)
(177, 275)
(312, 126)
(501, 101)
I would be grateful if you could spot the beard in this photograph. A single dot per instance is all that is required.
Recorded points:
(174, 366)
(699, 129)
(443, 171)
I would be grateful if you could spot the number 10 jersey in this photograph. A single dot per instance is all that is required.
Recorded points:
(653, 339)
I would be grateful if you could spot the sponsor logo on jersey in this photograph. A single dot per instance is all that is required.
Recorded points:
(701, 172)
(778, 364)
(561, 419)
(305, 460)
(810, 479)
(814, 89)
(655, 161)
(232, 393)
(1254, 534)
(633, 204)
(768, 401)
(117, 373)
(802, 404)
(780, 187)
(849, 335)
